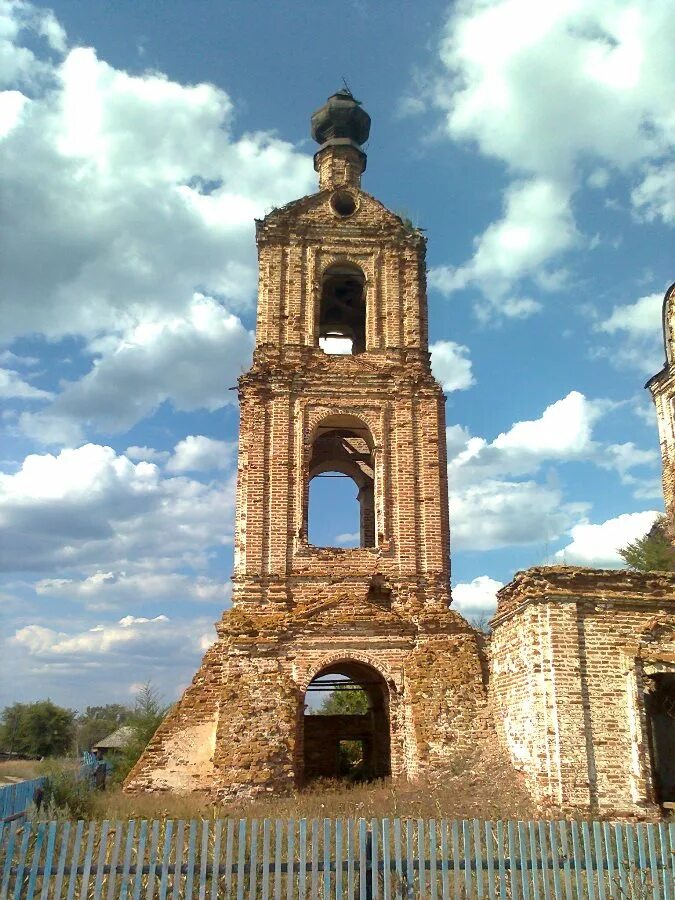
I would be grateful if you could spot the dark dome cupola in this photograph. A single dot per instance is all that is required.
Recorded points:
(340, 126)
(341, 118)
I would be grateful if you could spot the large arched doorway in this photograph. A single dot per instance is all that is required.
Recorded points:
(349, 737)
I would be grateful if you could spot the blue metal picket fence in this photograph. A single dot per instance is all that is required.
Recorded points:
(16, 798)
(379, 858)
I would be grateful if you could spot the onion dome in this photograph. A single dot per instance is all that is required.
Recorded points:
(341, 120)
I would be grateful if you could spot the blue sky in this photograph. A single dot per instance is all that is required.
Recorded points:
(138, 141)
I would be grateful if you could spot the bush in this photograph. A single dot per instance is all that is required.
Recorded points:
(65, 794)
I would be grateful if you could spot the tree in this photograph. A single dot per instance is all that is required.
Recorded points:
(652, 553)
(97, 722)
(37, 729)
(481, 622)
(148, 714)
(351, 702)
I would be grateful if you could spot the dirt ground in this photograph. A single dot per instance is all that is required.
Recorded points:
(15, 770)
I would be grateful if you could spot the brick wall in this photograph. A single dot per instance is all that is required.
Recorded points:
(571, 653)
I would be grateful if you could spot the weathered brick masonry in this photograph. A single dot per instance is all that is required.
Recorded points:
(573, 660)
(334, 264)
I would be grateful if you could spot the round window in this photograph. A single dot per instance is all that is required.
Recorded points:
(343, 203)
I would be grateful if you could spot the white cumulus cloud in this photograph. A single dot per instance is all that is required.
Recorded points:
(477, 597)
(348, 538)
(130, 213)
(14, 387)
(637, 332)
(497, 513)
(451, 365)
(106, 590)
(599, 545)
(144, 234)
(92, 507)
(197, 453)
(149, 454)
(547, 89)
(131, 644)
(494, 499)
(191, 359)
(563, 432)
(41, 641)
(654, 198)
(537, 225)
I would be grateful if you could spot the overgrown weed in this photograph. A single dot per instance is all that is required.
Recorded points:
(476, 787)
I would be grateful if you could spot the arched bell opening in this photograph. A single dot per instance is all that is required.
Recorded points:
(342, 447)
(342, 310)
(346, 724)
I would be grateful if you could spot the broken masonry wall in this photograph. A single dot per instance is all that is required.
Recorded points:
(570, 654)
(238, 730)
(179, 757)
(447, 698)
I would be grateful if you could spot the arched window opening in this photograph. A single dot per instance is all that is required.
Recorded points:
(346, 724)
(341, 475)
(342, 311)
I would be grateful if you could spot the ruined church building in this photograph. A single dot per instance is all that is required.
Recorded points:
(576, 683)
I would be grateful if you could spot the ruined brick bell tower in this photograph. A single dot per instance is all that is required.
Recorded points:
(337, 271)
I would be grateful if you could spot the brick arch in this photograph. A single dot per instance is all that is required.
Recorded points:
(373, 421)
(318, 414)
(331, 659)
(658, 667)
(363, 263)
(319, 742)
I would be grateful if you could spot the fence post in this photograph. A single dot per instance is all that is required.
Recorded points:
(369, 864)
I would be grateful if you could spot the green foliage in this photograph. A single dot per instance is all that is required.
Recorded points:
(37, 729)
(406, 219)
(653, 552)
(344, 703)
(66, 795)
(98, 722)
(351, 765)
(145, 719)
